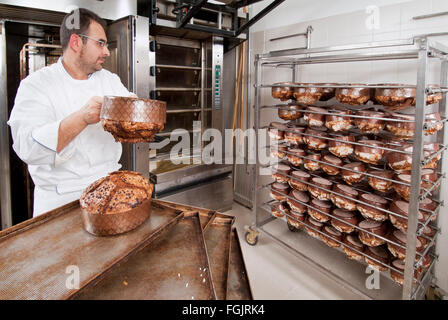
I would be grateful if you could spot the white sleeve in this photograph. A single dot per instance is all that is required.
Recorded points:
(35, 129)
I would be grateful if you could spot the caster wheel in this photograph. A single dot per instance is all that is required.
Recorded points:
(252, 237)
(291, 227)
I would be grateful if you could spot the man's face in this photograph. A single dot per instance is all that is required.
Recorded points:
(92, 55)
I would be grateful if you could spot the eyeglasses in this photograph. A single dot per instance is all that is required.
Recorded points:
(101, 43)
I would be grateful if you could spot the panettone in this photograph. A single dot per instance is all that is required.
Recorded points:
(117, 203)
(131, 119)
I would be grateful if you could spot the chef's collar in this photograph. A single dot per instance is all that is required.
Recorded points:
(68, 74)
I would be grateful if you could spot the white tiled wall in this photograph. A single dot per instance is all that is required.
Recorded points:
(395, 23)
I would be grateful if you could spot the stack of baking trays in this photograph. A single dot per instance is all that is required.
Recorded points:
(344, 176)
(180, 252)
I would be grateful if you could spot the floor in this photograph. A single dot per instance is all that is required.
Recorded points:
(276, 274)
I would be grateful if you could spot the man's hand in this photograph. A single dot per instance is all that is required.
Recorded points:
(71, 126)
(90, 113)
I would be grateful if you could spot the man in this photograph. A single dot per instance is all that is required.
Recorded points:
(55, 119)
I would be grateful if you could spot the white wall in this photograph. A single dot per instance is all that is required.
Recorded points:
(344, 22)
(292, 11)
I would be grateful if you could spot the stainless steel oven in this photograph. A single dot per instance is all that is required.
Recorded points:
(187, 74)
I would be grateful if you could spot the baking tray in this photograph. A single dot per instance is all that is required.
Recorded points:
(238, 287)
(217, 237)
(39, 257)
(173, 267)
(206, 215)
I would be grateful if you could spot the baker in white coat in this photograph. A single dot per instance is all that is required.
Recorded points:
(55, 119)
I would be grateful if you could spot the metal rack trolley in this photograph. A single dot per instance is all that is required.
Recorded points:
(421, 48)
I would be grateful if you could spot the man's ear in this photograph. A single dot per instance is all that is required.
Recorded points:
(75, 43)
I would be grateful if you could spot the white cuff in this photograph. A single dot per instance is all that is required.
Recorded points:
(47, 136)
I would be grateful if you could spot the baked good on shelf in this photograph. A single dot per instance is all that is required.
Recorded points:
(282, 90)
(379, 254)
(400, 238)
(307, 95)
(331, 236)
(369, 153)
(280, 172)
(352, 243)
(312, 227)
(297, 201)
(354, 96)
(398, 274)
(368, 125)
(294, 134)
(372, 211)
(279, 191)
(402, 208)
(320, 210)
(320, 189)
(316, 138)
(295, 156)
(278, 151)
(295, 219)
(379, 184)
(339, 120)
(344, 202)
(277, 130)
(299, 179)
(311, 165)
(330, 164)
(340, 148)
(354, 173)
(347, 216)
(289, 112)
(376, 227)
(315, 119)
(278, 209)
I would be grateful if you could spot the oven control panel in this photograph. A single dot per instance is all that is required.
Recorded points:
(217, 87)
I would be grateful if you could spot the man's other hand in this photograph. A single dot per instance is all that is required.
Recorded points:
(91, 110)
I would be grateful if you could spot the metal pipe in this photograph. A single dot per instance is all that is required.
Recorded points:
(337, 114)
(5, 168)
(347, 142)
(351, 170)
(346, 197)
(416, 169)
(333, 217)
(371, 45)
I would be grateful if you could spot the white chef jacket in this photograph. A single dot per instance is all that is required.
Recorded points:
(43, 100)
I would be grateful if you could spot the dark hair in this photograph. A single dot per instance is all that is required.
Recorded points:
(78, 22)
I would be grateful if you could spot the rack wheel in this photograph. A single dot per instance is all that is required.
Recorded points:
(251, 237)
(291, 227)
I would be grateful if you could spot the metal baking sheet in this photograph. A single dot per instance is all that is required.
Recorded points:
(238, 282)
(206, 215)
(217, 239)
(173, 267)
(238, 286)
(44, 257)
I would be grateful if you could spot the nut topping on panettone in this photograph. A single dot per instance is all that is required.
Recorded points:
(120, 191)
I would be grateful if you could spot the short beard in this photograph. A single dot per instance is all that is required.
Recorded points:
(87, 68)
